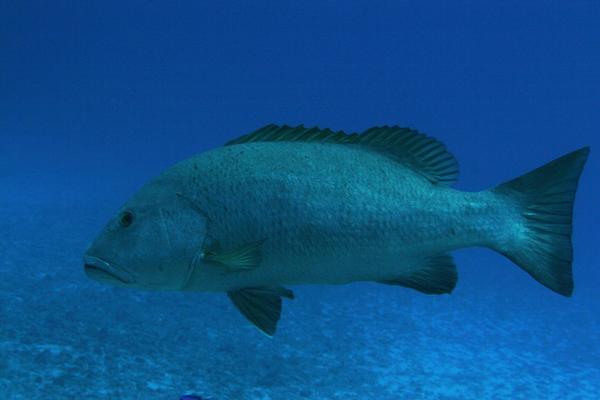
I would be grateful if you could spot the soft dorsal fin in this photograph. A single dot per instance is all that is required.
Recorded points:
(422, 153)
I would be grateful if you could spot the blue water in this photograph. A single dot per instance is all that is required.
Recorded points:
(96, 98)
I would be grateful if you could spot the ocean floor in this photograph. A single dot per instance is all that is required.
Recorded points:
(62, 336)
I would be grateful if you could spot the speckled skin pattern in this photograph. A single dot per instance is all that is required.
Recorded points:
(328, 213)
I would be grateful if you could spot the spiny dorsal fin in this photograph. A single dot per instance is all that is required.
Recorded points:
(285, 133)
(422, 153)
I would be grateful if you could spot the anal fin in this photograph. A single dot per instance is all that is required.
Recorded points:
(437, 276)
(261, 305)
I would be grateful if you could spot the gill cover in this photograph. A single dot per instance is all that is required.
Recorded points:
(189, 229)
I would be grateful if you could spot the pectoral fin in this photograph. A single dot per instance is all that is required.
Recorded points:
(261, 305)
(246, 257)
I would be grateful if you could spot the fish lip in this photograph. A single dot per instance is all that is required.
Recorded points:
(93, 264)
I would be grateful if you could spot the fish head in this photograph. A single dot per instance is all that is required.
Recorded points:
(150, 243)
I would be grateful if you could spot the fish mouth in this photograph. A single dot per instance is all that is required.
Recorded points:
(104, 271)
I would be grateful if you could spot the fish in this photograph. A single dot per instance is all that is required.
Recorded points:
(285, 206)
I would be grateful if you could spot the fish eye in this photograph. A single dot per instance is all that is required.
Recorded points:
(126, 219)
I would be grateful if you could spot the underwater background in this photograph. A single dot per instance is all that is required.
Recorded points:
(98, 97)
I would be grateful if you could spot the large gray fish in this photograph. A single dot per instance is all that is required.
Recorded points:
(288, 206)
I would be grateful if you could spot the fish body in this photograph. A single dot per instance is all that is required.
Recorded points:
(288, 206)
(357, 217)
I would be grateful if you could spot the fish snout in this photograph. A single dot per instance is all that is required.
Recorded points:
(104, 271)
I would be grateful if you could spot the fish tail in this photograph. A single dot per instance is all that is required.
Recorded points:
(542, 243)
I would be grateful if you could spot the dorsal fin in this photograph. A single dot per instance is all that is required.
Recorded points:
(422, 153)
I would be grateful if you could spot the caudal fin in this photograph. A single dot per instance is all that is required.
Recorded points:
(546, 197)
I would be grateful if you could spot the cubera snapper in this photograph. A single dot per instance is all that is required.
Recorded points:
(293, 205)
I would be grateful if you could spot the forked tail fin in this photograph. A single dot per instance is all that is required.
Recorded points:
(546, 197)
